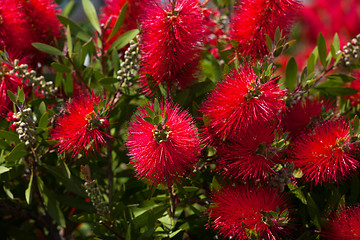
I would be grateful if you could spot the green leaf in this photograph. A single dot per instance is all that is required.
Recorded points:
(277, 35)
(4, 169)
(321, 44)
(149, 120)
(74, 27)
(44, 121)
(108, 80)
(47, 49)
(12, 96)
(17, 153)
(149, 216)
(8, 192)
(21, 95)
(269, 43)
(311, 63)
(150, 113)
(157, 120)
(28, 192)
(68, 8)
(60, 67)
(313, 211)
(124, 39)
(51, 204)
(69, 85)
(156, 107)
(69, 40)
(338, 91)
(336, 42)
(291, 74)
(90, 12)
(10, 136)
(343, 77)
(119, 21)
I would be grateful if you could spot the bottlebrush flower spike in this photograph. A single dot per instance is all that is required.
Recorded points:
(302, 115)
(45, 29)
(14, 34)
(249, 155)
(256, 18)
(78, 128)
(249, 213)
(166, 146)
(344, 224)
(11, 83)
(325, 154)
(171, 36)
(238, 102)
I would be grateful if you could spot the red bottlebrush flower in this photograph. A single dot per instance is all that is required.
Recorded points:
(8, 82)
(256, 18)
(249, 213)
(78, 129)
(45, 29)
(109, 15)
(162, 152)
(238, 102)
(171, 36)
(14, 33)
(249, 156)
(302, 115)
(325, 154)
(344, 225)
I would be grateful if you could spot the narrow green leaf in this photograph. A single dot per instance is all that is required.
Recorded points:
(108, 80)
(311, 63)
(68, 8)
(119, 21)
(291, 74)
(44, 120)
(124, 39)
(58, 67)
(47, 49)
(4, 169)
(269, 43)
(64, 165)
(277, 35)
(10, 136)
(150, 112)
(17, 153)
(158, 119)
(69, 40)
(149, 120)
(74, 27)
(21, 95)
(336, 42)
(12, 96)
(28, 192)
(69, 86)
(8, 192)
(115, 61)
(90, 12)
(321, 44)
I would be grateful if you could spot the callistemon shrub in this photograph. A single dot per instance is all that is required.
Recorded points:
(178, 119)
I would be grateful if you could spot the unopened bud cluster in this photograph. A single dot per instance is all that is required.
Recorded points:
(24, 125)
(351, 53)
(96, 197)
(130, 65)
(30, 79)
(282, 178)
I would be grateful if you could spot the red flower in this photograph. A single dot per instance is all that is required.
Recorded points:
(8, 82)
(256, 18)
(171, 36)
(43, 25)
(78, 129)
(249, 156)
(302, 115)
(325, 154)
(249, 213)
(344, 225)
(238, 102)
(109, 15)
(162, 152)
(14, 33)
